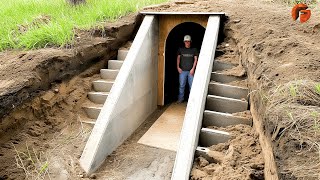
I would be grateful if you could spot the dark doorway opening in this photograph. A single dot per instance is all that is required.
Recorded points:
(173, 43)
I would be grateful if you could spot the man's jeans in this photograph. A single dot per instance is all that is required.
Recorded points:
(183, 77)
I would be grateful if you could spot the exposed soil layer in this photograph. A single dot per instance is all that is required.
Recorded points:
(26, 75)
(41, 94)
(239, 158)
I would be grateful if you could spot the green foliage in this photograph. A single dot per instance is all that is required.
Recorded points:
(293, 90)
(317, 88)
(39, 23)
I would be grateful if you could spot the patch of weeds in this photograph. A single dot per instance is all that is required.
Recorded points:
(293, 90)
(317, 88)
(315, 116)
(34, 165)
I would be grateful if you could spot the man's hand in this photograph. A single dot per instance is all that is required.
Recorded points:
(179, 70)
(192, 71)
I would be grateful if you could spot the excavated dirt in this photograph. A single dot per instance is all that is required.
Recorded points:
(239, 158)
(26, 74)
(41, 93)
(272, 48)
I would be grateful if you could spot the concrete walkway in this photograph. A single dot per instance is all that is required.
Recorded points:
(165, 132)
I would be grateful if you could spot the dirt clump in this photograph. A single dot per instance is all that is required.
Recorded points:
(239, 158)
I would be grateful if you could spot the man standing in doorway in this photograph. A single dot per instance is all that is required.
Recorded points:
(186, 64)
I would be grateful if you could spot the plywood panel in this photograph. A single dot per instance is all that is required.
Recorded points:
(166, 24)
(165, 132)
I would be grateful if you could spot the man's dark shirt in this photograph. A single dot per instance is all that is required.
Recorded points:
(187, 58)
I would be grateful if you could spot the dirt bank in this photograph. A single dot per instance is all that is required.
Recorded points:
(26, 75)
(41, 93)
(239, 158)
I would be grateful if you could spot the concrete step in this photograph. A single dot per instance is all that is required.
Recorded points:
(122, 54)
(109, 73)
(219, 77)
(220, 66)
(209, 137)
(98, 97)
(226, 90)
(114, 64)
(87, 120)
(212, 118)
(203, 152)
(92, 110)
(102, 85)
(224, 104)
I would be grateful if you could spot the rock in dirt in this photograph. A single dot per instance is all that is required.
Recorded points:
(93, 176)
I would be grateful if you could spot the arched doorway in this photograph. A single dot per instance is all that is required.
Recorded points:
(173, 42)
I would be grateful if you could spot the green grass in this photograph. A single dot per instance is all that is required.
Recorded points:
(28, 24)
(317, 88)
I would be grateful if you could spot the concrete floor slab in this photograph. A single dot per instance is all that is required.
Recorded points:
(165, 132)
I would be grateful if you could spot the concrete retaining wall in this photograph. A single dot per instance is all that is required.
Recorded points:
(193, 118)
(131, 100)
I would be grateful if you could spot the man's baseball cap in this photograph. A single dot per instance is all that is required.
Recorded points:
(187, 38)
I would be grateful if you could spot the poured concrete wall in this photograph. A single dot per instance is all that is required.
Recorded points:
(193, 118)
(132, 99)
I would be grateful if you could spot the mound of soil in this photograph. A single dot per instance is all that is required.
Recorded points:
(239, 158)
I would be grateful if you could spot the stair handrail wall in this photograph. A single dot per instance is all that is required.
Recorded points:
(132, 99)
(194, 113)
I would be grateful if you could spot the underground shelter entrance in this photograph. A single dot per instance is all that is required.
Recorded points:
(173, 43)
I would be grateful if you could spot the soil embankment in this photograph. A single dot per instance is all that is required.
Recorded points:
(26, 75)
(41, 93)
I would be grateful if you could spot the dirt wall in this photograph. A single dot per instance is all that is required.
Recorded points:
(25, 75)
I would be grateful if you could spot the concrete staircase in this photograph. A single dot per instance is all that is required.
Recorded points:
(222, 100)
(102, 87)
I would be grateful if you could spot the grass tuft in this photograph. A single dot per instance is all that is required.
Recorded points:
(28, 24)
(294, 110)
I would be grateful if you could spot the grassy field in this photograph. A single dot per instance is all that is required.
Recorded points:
(32, 24)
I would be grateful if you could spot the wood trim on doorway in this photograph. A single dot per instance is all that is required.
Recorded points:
(166, 24)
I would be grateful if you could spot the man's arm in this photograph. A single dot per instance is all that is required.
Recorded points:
(194, 65)
(178, 63)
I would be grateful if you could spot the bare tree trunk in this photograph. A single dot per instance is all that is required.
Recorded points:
(76, 2)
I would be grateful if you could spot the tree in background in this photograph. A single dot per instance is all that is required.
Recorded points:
(76, 2)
